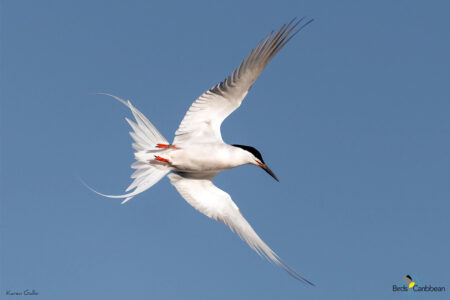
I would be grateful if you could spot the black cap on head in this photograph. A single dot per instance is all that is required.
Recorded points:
(258, 155)
(252, 150)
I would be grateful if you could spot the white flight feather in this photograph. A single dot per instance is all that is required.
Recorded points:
(202, 121)
(213, 202)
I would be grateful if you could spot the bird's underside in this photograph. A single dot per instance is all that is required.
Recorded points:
(198, 152)
(196, 158)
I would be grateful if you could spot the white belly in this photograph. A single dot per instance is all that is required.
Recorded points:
(205, 158)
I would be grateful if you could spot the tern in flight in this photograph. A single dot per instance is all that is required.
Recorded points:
(198, 153)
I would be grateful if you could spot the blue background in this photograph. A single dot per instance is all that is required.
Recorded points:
(352, 116)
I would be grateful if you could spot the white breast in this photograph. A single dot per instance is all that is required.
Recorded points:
(207, 157)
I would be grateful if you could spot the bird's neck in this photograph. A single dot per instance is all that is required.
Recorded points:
(241, 157)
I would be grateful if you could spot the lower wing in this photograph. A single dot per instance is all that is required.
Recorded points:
(211, 201)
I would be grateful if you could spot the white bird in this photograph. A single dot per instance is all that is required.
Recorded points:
(198, 152)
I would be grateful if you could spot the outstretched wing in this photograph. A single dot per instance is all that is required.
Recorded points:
(203, 119)
(211, 201)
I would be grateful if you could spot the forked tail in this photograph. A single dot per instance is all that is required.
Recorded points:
(146, 137)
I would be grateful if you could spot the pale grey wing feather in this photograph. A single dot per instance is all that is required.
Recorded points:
(211, 201)
(203, 119)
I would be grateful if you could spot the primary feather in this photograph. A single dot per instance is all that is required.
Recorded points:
(213, 202)
(203, 119)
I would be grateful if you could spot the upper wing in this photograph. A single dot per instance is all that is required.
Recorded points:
(203, 119)
(211, 201)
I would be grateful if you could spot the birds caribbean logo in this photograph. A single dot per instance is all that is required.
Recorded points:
(409, 282)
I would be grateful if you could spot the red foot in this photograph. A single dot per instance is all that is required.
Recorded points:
(165, 146)
(159, 158)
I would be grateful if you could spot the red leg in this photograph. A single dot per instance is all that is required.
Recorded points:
(165, 146)
(159, 158)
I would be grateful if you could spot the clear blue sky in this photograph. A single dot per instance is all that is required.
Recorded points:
(352, 116)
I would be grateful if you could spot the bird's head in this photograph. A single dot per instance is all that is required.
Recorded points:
(256, 159)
